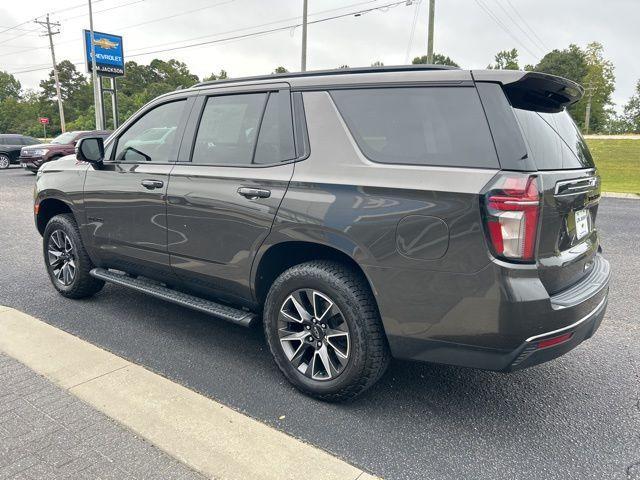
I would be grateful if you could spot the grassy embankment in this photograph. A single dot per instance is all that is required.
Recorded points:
(618, 161)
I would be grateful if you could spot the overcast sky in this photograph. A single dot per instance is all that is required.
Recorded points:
(465, 30)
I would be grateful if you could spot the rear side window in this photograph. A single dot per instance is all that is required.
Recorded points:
(443, 126)
(555, 143)
(275, 142)
(228, 129)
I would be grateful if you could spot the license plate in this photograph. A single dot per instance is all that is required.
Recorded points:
(582, 223)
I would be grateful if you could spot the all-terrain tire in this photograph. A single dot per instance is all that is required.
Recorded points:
(83, 284)
(369, 351)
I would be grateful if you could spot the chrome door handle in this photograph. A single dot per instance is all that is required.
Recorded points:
(152, 184)
(253, 193)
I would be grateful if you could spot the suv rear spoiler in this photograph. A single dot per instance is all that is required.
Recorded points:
(536, 91)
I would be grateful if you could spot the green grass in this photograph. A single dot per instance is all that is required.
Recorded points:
(618, 163)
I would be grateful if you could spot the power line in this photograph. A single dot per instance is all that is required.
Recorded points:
(514, 22)
(202, 36)
(179, 14)
(243, 36)
(526, 24)
(413, 30)
(497, 20)
(103, 10)
(273, 30)
(243, 29)
(15, 27)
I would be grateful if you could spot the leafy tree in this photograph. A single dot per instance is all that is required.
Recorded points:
(631, 115)
(506, 60)
(220, 76)
(9, 86)
(438, 59)
(599, 83)
(71, 82)
(588, 68)
(280, 69)
(20, 115)
(568, 63)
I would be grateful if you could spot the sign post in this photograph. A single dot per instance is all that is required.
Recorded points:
(107, 54)
(44, 121)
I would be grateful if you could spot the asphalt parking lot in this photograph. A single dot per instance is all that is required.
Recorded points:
(576, 417)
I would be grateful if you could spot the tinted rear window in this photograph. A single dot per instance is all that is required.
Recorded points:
(555, 143)
(442, 126)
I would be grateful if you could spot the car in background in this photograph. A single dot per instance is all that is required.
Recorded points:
(10, 146)
(33, 156)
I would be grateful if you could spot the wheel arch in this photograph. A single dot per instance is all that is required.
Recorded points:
(49, 207)
(278, 257)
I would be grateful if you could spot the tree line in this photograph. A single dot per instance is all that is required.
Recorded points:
(20, 108)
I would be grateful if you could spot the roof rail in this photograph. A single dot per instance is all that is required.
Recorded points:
(335, 71)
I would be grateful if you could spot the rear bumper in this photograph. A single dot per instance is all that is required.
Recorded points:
(524, 321)
(530, 353)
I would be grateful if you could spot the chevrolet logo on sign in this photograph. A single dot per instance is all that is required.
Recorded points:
(105, 43)
(109, 54)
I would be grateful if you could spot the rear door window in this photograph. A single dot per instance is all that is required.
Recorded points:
(439, 126)
(555, 143)
(228, 129)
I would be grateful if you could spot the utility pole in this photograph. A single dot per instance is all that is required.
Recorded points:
(50, 34)
(303, 60)
(97, 100)
(587, 112)
(432, 9)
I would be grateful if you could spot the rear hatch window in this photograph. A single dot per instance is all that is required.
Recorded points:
(554, 141)
(443, 126)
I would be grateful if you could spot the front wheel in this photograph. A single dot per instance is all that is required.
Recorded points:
(324, 330)
(67, 262)
(5, 161)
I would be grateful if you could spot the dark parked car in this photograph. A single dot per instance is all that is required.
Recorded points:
(423, 213)
(10, 146)
(32, 157)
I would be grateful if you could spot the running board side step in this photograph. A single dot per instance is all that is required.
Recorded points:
(149, 287)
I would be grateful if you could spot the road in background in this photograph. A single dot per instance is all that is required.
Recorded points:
(576, 417)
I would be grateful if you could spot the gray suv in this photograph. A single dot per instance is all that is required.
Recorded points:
(422, 213)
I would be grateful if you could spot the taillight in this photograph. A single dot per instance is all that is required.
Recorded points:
(512, 209)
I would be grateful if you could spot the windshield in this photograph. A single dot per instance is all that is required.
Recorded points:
(64, 138)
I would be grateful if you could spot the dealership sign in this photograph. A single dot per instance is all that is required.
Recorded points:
(109, 53)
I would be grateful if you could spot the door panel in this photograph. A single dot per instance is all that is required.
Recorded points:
(214, 231)
(127, 221)
(125, 197)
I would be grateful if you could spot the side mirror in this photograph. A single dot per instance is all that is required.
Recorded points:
(90, 149)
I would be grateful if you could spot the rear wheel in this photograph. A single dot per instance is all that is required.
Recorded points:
(67, 262)
(5, 161)
(324, 330)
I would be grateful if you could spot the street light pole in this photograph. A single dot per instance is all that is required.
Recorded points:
(97, 101)
(432, 8)
(303, 60)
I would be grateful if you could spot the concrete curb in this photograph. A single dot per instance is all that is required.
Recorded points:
(620, 195)
(205, 435)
